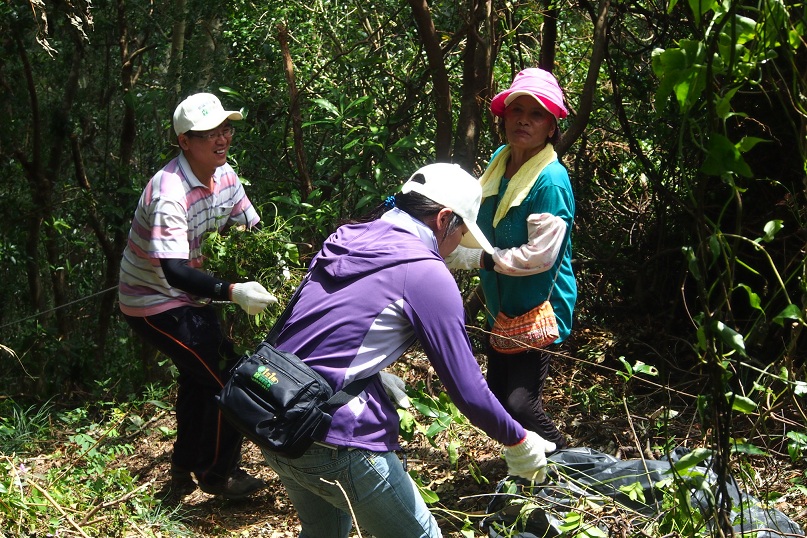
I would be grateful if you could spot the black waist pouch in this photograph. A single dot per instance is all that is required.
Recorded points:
(277, 401)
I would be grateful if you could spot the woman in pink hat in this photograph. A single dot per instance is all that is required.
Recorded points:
(526, 213)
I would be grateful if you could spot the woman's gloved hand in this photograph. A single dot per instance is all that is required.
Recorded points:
(252, 297)
(396, 389)
(527, 459)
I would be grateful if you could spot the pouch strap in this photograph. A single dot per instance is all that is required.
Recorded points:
(348, 392)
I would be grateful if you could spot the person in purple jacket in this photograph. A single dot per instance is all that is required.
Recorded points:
(374, 289)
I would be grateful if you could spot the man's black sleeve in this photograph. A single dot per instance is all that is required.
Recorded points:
(194, 281)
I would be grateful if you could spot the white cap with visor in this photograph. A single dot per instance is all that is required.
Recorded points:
(456, 189)
(201, 112)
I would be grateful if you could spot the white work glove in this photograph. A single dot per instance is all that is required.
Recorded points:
(396, 389)
(252, 297)
(527, 459)
(464, 258)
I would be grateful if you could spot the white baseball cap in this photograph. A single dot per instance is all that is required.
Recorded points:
(453, 187)
(201, 112)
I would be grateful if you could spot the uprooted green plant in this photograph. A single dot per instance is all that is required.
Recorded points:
(266, 255)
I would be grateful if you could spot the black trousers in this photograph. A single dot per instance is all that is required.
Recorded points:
(517, 381)
(193, 339)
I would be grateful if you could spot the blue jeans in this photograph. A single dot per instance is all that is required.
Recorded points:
(327, 484)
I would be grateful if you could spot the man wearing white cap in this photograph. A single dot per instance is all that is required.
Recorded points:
(165, 296)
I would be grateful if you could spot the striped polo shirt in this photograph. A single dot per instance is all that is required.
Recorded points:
(171, 218)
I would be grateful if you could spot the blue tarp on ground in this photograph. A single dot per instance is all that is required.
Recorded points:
(586, 473)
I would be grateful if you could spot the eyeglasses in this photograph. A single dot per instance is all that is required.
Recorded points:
(227, 132)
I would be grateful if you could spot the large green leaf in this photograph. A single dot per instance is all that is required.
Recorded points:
(791, 311)
(741, 404)
(700, 8)
(688, 461)
(730, 337)
(723, 157)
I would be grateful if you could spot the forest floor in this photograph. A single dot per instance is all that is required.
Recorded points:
(588, 399)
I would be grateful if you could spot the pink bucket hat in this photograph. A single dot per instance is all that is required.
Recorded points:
(540, 85)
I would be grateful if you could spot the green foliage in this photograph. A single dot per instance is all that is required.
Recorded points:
(443, 426)
(428, 495)
(22, 429)
(695, 148)
(708, 77)
(442, 415)
(638, 368)
(681, 504)
(797, 445)
(634, 492)
(78, 486)
(595, 399)
(266, 255)
(574, 525)
(662, 431)
(363, 141)
(360, 76)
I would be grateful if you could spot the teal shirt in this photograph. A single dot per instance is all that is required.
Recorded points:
(516, 295)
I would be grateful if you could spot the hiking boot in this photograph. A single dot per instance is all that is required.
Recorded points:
(239, 485)
(181, 482)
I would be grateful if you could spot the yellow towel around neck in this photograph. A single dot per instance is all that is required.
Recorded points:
(520, 184)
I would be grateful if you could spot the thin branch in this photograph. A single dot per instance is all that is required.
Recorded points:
(59, 508)
(306, 185)
(108, 504)
(347, 500)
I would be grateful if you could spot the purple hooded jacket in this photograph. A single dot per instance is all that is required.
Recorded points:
(374, 289)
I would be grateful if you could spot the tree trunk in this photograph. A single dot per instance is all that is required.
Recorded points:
(440, 84)
(549, 36)
(39, 189)
(207, 51)
(177, 52)
(306, 186)
(475, 76)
